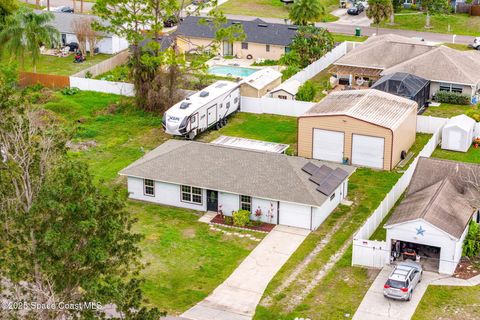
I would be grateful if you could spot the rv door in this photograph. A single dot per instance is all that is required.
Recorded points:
(194, 121)
(211, 115)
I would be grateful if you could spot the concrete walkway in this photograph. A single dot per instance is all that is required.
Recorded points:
(375, 306)
(237, 297)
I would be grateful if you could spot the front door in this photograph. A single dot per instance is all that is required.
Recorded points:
(212, 200)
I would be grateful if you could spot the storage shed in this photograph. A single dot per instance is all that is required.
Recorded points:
(405, 85)
(367, 128)
(260, 83)
(458, 133)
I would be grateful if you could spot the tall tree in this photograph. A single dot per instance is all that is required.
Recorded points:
(431, 7)
(304, 12)
(7, 7)
(379, 10)
(310, 44)
(25, 31)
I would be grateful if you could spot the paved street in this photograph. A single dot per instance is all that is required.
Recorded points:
(237, 297)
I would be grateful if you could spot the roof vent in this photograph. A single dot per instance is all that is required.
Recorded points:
(185, 105)
(263, 25)
(204, 94)
(221, 85)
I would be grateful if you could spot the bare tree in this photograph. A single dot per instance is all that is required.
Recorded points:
(81, 28)
(469, 176)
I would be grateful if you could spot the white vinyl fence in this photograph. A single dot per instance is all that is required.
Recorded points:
(366, 252)
(274, 106)
(427, 124)
(121, 88)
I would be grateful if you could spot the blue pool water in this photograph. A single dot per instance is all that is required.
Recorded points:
(231, 71)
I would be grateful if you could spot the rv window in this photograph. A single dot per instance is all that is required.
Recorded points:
(235, 100)
(191, 194)
(332, 197)
(148, 187)
(193, 119)
(228, 105)
(246, 203)
(185, 105)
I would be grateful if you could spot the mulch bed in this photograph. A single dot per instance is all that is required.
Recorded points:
(263, 227)
(467, 268)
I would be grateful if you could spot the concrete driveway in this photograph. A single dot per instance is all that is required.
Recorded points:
(344, 18)
(237, 297)
(375, 306)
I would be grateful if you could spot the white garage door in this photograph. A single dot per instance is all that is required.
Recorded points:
(294, 215)
(328, 145)
(367, 151)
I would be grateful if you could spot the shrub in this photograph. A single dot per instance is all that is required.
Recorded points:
(241, 218)
(228, 220)
(289, 72)
(474, 114)
(266, 62)
(88, 75)
(471, 245)
(69, 91)
(451, 97)
(306, 92)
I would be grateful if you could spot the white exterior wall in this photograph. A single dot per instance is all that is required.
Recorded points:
(296, 215)
(265, 206)
(165, 193)
(450, 251)
(321, 213)
(230, 202)
(107, 45)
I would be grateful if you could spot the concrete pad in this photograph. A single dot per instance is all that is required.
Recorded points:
(238, 296)
(207, 217)
(375, 306)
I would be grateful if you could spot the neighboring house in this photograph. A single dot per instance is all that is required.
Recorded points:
(458, 133)
(263, 40)
(366, 62)
(405, 85)
(260, 83)
(287, 90)
(368, 128)
(288, 190)
(433, 217)
(107, 43)
(446, 68)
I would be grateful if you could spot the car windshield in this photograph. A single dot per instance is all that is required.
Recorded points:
(396, 284)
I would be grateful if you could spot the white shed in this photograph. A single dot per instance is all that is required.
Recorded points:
(458, 133)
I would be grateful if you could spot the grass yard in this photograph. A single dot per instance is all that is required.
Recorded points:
(274, 128)
(446, 110)
(322, 83)
(461, 24)
(445, 302)
(342, 289)
(62, 66)
(472, 155)
(268, 8)
(344, 37)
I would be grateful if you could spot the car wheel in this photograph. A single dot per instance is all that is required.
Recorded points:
(217, 125)
(225, 121)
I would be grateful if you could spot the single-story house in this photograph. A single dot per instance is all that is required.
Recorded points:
(366, 62)
(405, 85)
(264, 40)
(287, 190)
(458, 133)
(446, 68)
(107, 43)
(366, 127)
(260, 83)
(287, 90)
(431, 222)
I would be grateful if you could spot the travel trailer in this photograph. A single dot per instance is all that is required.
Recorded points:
(207, 108)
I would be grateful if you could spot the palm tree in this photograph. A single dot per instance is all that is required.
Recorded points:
(304, 12)
(25, 31)
(379, 10)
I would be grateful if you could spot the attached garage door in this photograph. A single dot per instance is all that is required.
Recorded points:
(328, 145)
(368, 151)
(294, 215)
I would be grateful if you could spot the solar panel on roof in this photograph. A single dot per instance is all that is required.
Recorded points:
(325, 177)
(320, 175)
(310, 168)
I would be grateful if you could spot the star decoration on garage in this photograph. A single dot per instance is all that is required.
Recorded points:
(420, 231)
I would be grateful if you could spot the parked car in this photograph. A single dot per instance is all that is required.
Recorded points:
(403, 280)
(170, 22)
(198, 2)
(356, 9)
(475, 44)
(66, 9)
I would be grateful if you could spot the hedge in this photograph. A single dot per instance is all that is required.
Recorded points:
(451, 97)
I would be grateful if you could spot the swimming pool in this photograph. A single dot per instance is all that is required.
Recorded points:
(231, 71)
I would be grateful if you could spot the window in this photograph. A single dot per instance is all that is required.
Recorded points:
(332, 197)
(287, 49)
(148, 187)
(457, 88)
(282, 97)
(245, 45)
(246, 203)
(451, 87)
(235, 100)
(191, 194)
(267, 48)
(228, 105)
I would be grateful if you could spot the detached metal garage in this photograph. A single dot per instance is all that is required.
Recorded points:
(367, 128)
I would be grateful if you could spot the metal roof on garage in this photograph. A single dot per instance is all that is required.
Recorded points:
(250, 144)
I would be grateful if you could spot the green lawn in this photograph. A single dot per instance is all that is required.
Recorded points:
(344, 37)
(445, 302)
(446, 110)
(63, 66)
(342, 289)
(472, 155)
(267, 8)
(461, 24)
(265, 127)
(322, 83)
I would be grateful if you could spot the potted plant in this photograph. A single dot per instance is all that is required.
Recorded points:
(476, 142)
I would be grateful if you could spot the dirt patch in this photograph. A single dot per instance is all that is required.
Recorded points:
(467, 268)
(81, 145)
(189, 233)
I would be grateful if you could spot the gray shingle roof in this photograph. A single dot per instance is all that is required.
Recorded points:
(209, 166)
(257, 31)
(439, 195)
(63, 22)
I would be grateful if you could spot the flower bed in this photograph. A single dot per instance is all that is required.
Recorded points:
(261, 227)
